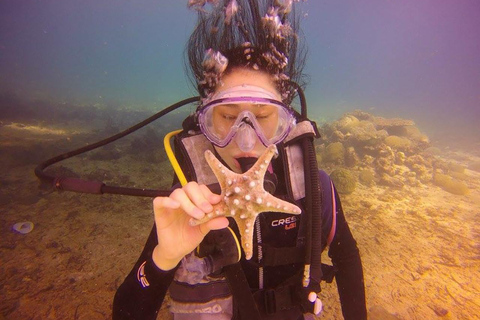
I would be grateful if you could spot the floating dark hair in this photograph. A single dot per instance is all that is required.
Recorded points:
(257, 34)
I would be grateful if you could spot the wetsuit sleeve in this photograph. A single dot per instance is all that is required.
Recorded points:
(141, 294)
(349, 273)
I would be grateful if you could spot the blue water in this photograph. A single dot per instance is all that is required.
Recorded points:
(411, 59)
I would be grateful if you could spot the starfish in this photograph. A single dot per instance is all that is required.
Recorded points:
(244, 197)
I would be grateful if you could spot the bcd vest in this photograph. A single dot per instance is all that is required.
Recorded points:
(196, 294)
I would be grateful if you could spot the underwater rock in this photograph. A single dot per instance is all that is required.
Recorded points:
(398, 143)
(418, 159)
(386, 166)
(390, 181)
(368, 160)
(335, 153)
(391, 122)
(385, 162)
(410, 132)
(319, 151)
(411, 179)
(346, 123)
(337, 136)
(365, 131)
(448, 184)
(367, 178)
(351, 157)
(380, 313)
(400, 158)
(344, 180)
(422, 173)
(475, 166)
(362, 115)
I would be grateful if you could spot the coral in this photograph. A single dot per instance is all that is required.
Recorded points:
(417, 159)
(450, 185)
(385, 162)
(393, 122)
(368, 160)
(344, 180)
(410, 132)
(365, 132)
(351, 157)
(337, 136)
(346, 123)
(384, 165)
(398, 143)
(391, 181)
(422, 172)
(335, 153)
(400, 158)
(411, 179)
(366, 177)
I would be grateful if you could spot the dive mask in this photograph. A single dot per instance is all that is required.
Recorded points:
(244, 113)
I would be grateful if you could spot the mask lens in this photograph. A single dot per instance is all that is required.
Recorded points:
(221, 119)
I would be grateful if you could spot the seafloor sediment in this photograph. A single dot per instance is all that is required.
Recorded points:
(413, 206)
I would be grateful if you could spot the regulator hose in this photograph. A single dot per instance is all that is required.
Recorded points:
(98, 187)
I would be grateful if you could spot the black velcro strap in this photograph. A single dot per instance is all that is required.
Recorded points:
(241, 292)
(328, 272)
(272, 256)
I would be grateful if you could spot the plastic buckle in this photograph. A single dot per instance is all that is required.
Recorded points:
(269, 300)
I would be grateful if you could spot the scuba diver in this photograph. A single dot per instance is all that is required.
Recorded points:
(246, 61)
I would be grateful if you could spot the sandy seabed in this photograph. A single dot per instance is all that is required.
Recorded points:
(419, 245)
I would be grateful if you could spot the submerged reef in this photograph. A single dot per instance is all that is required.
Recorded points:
(344, 180)
(387, 152)
(449, 184)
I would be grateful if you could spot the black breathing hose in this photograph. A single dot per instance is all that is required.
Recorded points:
(98, 187)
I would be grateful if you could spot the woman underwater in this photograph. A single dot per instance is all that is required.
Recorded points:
(245, 58)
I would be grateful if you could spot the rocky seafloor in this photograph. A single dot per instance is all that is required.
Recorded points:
(413, 207)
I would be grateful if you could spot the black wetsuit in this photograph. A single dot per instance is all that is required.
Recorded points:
(133, 301)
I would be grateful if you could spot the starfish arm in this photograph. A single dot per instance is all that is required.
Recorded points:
(274, 204)
(261, 165)
(246, 227)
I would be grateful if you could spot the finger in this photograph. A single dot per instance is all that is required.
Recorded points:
(198, 196)
(208, 194)
(186, 204)
(214, 224)
(160, 203)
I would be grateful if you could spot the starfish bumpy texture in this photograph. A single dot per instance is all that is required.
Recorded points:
(244, 197)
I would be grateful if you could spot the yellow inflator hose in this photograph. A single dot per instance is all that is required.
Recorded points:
(171, 156)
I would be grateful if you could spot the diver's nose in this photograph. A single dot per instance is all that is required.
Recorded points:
(245, 137)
